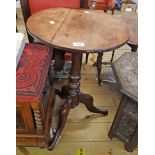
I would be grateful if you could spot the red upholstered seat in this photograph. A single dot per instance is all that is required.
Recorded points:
(31, 72)
(103, 4)
(36, 5)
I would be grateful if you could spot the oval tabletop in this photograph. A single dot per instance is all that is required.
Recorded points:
(132, 22)
(78, 30)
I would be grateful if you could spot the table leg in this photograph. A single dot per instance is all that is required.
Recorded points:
(73, 96)
(112, 57)
(133, 47)
(113, 10)
(87, 100)
(62, 120)
(87, 55)
(99, 67)
(71, 93)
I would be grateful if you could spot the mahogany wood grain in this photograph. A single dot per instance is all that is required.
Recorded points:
(31, 6)
(132, 22)
(26, 9)
(97, 30)
(73, 97)
(42, 23)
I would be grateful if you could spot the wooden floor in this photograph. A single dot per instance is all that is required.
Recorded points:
(84, 129)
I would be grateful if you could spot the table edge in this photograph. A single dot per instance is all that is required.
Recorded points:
(78, 50)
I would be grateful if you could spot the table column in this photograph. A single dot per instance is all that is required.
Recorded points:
(73, 96)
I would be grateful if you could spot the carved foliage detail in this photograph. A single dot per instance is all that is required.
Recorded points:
(126, 127)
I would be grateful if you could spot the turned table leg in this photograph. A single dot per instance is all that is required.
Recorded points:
(73, 96)
(99, 67)
(71, 93)
(87, 55)
(133, 47)
(112, 57)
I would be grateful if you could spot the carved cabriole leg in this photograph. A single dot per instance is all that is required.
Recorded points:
(73, 96)
(38, 120)
(72, 92)
(87, 100)
(61, 124)
(99, 67)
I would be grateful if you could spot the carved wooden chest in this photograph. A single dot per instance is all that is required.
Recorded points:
(125, 124)
(35, 97)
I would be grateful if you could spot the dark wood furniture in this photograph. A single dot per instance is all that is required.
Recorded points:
(132, 22)
(125, 124)
(35, 97)
(29, 7)
(104, 5)
(74, 30)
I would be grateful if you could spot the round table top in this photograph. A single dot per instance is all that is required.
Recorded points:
(132, 22)
(78, 30)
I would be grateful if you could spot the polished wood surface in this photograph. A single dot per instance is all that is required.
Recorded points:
(97, 31)
(132, 22)
(27, 5)
(41, 23)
